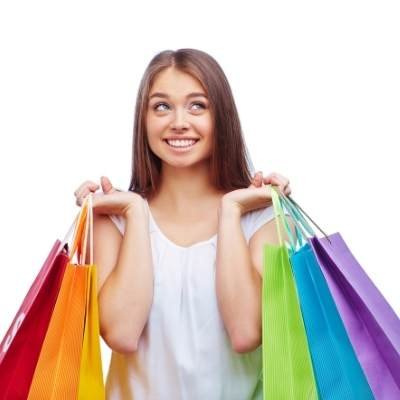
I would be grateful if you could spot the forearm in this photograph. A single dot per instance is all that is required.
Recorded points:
(238, 284)
(126, 297)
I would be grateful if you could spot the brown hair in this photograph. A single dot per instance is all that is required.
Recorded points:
(228, 163)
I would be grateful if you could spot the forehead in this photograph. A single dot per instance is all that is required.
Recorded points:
(175, 83)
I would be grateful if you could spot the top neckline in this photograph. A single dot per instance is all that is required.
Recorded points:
(196, 244)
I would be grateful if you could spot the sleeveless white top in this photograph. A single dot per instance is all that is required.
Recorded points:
(184, 352)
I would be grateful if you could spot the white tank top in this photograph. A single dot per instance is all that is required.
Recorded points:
(184, 352)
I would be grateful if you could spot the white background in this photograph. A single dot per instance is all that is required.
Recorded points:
(316, 84)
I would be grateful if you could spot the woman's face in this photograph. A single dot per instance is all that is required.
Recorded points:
(178, 108)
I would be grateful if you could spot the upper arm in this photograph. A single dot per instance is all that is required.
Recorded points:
(267, 233)
(107, 241)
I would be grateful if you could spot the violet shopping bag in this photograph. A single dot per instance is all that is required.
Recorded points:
(338, 372)
(69, 366)
(21, 346)
(287, 366)
(372, 325)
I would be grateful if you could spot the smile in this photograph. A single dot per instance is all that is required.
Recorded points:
(181, 144)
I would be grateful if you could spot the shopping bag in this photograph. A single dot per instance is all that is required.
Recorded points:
(91, 384)
(371, 324)
(21, 346)
(70, 335)
(57, 371)
(287, 366)
(338, 372)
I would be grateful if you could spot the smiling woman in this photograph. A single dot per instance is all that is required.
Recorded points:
(185, 94)
(172, 270)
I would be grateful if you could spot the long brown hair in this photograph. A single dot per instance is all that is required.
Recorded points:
(229, 166)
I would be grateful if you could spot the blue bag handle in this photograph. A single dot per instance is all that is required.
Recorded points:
(296, 212)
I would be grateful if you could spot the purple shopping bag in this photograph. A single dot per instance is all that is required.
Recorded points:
(370, 321)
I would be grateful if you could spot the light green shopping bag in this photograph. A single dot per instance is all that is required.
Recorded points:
(287, 367)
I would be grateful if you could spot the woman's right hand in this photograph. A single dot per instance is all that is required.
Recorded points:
(111, 201)
(90, 187)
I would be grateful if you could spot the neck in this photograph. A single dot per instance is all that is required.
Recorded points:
(185, 188)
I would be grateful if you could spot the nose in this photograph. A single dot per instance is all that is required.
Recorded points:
(179, 122)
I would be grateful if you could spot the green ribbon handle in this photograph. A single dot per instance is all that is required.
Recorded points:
(302, 231)
(281, 222)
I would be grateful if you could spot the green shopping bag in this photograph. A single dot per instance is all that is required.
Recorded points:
(287, 367)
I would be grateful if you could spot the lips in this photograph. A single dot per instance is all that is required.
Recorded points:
(196, 140)
(181, 148)
(181, 138)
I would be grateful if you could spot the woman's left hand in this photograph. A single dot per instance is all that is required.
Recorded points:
(258, 194)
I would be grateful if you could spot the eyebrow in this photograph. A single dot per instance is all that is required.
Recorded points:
(164, 95)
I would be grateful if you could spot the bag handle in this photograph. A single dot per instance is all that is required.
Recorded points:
(88, 231)
(297, 214)
(84, 224)
(281, 222)
(300, 231)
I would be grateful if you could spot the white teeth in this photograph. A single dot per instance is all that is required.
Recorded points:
(181, 143)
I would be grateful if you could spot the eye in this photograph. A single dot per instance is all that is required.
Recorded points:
(159, 104)
(199, 104)
(156, 106)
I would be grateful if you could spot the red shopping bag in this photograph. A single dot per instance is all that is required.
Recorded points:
(21, 346)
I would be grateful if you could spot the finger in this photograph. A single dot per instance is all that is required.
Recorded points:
(80, 198)
(80, 187)
(276, 176)
(254, 180)
(80, 194)
(85, 193)
(85, 184)
(87, 189)
(92, 185)
(78, 201)
(258, 179)
(274, 179)
(106, 185)
(278, 185)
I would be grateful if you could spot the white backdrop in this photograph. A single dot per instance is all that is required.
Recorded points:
(317, 87)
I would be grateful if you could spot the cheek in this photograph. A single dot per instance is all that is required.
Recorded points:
(205, 127)
(155, 125)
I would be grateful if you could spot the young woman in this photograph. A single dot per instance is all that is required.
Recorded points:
(179, 254)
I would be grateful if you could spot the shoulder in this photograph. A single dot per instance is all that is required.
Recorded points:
(265, 231)
(253, 220)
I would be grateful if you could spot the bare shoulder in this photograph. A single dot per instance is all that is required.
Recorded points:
(266, 234)
(107, 241)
